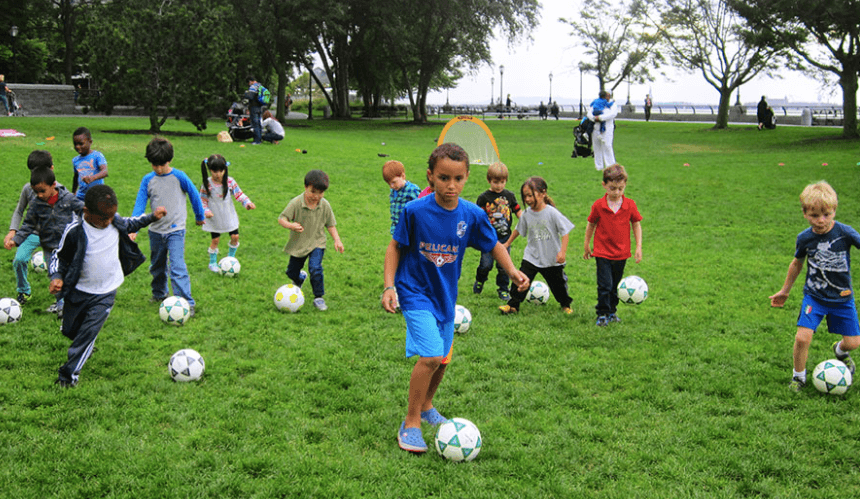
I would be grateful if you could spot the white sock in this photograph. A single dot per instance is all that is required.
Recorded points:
(838, 350)
(800, 375)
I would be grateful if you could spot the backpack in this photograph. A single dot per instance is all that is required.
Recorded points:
(264, 97)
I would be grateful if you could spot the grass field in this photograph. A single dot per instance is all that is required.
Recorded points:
(686, 398)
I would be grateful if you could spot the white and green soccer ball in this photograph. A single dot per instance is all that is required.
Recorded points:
(458, 439)
(462, 319)
(538, 293)
(174, 310)
(632, 290)
(289, 298)
(38, 262)
(832, 376)
(10, 311)
(229, 266)
(186, 365)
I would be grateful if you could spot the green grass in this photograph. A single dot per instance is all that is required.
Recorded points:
(686, 398)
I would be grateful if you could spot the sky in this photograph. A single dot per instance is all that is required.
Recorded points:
(528, 65)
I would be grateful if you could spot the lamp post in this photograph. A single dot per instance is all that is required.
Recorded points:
(310, 95)
(13, 32)
(628, 91)
(580, 89)
(501, 85)
(550, 87)
(492, 90)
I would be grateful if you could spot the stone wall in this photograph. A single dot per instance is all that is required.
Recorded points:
(44, 99)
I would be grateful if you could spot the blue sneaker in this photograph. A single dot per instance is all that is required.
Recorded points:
(411, 439)
(602, 321)
(432, 417)
(614, 318)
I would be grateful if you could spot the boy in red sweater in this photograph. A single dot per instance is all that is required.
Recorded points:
(610, 221)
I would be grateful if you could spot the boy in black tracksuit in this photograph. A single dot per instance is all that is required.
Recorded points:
(94, 255)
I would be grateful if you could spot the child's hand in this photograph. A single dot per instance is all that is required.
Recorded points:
(133, 236)
(297, 227)
(87, 179)
(389, 300)
(159, 213)
(200, 222)
(637, 255)
(9, 243)
(250, 206)
(56, 286)
(587, 253)
(9, 237)
(778, 300)
(208, 214)
(560, 257)
(521, 280)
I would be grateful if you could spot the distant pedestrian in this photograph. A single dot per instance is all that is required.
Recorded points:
(648, 107)
(761, 112)
(554, 110)
(3, 97)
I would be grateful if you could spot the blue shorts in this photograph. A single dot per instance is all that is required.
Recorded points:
(426, 336)
(841, 318)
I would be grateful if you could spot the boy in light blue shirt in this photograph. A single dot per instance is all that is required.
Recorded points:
(167, 187)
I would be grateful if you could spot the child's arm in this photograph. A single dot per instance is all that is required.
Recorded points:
(31, 222)
(637, 235)
(204, 200)
(290, 225)
(194, 197)
(392, 260)
(589, 232)
(562, 253)
(103, 172)
(17, 216)
(500, 254)
(794, 268)
(515, 234)
(74, 180)
(338, 245)
(241, 196)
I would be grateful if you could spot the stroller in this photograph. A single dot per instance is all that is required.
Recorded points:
(14, 104)
(582, 139)
(239, 122)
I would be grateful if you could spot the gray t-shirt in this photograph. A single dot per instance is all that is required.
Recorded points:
(543, 230)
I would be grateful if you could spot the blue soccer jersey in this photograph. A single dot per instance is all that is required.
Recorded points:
(828, 262)
(432, 242)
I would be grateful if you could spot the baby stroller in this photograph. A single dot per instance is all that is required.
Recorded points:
(582, 139)
(14, 104)
(239, 122)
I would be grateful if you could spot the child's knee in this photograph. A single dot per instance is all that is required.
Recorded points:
(803, 336)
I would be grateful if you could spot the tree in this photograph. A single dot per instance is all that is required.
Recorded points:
(824, 33)
(617, 37)
(709, 37)
(166, 56)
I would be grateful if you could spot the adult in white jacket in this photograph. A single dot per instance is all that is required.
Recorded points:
(602, 140)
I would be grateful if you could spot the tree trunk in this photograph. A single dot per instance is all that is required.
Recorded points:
(848, 82)
(723, 109)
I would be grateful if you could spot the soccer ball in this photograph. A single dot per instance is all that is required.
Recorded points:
(462, 319)
(633, 290)
(289, 298)
(538, 293)
(174, 310)
(186, 365)
(458, 439)
(10, 311)
(38, 262)
(832, 376)
(229, 266)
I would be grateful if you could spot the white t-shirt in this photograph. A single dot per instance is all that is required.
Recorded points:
(101, 271)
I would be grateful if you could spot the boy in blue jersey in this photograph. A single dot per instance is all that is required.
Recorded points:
(167, 187)
(828, 291)
(90, 166)
(424, 260)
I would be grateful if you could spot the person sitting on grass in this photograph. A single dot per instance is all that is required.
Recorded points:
(828, 291)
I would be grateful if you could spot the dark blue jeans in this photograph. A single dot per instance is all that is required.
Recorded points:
(484, 268)
(609, 274)
(256, 113)
(315, 270)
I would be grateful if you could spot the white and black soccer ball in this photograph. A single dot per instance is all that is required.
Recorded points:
(538, 293)
(10, 311)
(229, 266)
(289, 298)
(174, 310)
(40, 266)
(832, 376)
(458, 439)
(632, 290)
(462, 319)
(186, 365)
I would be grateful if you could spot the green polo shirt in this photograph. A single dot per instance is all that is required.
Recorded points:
(315, 221)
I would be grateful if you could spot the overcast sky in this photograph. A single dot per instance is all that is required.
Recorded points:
(553, 50)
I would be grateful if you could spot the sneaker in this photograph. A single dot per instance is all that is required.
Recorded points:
(504, 295)
(614, 318)
(508, 310)
(566, 310)
(191, 311)
(155, 299)
(22, 298)
(602, 321)
(411, 439)
(319, 303)
(303, 276)
(214, 267)
(796, 384)
(432, 417)
(65, 384)
(477, 287)
(845, 358)
(53, 308)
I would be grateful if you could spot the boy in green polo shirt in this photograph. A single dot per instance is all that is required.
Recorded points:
(308, 216)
